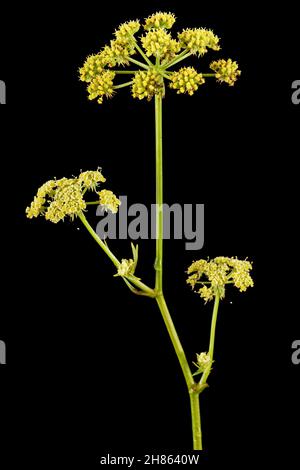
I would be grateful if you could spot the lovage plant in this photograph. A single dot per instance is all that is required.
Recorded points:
(158, 53)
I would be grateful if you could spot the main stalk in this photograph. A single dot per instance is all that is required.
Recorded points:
(158, 265)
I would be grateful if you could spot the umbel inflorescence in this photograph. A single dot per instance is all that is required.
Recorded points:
(213, 275)
(152, 41)
(57, 199)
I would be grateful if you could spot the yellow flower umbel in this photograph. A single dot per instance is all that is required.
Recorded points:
(57, 199)
(214, 275)
(91, 179)
(198, 40)
(102, 85)
(160, 44)
(147, 84)
(226, 71)
(126, 267)
(92, 67)
(109, 201)
(159, 20)
(127, 30)
(186, 80)
(203, 363)
(67, 201)
(160, 51)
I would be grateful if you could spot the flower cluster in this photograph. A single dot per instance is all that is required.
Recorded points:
(57, 199)
(215, 274)
(226, 71)
(92, 67)
(127, 30)
(147, 84)
(126, 267)
(160, 44)
(159, 51)
(91, 179)
(203, 360)
(186, 80)
(198, 40)
(109, 201)
(102, 85)
(159, 20)
(68, 200)
(118, 53)
(203, 363)
(37, 206)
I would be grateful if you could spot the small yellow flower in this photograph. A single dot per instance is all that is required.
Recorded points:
(226, 71)
(159, 20)
(147, 84)
(117, 53)
(215, 274)
(126, 267)
(127, 30)
(47, 188)
(92, 67)
(57, 199)
(206, 293)
(121, 50)
(91, 179)
(203, 361)
(109, 201)
(102, 85)
(186, 80)
(160, 44)
(198, 40)
(68, 200)
(36, 208)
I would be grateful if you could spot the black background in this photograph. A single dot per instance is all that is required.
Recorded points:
(90, 368)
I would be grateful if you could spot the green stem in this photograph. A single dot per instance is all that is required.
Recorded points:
(175, 58)
(137, 62)
(196, 421)
(179, 59)
(147, 290)
(143, 287)
(212, 337)
(158, 265)
(142, 53)
(98, 240)
(166, 75)
(124, 72)
(191, 386)
(213, 327)
(123, 85)
(208, 74)
(175, 341)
